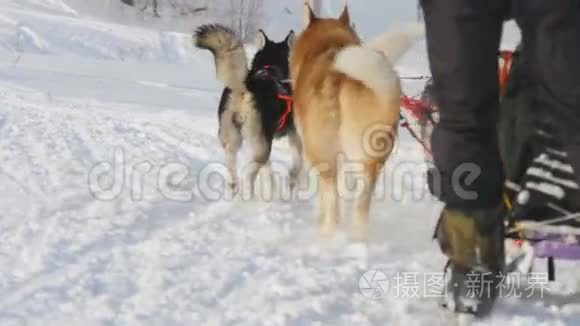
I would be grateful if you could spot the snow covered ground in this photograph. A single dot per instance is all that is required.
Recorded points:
(110, 209)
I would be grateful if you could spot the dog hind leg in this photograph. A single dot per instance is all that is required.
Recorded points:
(328, 201)
(296, 153)
(363, 202)
(260, 146)
(231, 141)
(260, 159)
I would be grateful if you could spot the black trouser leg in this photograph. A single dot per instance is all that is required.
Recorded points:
(463, 38)
(551, 37)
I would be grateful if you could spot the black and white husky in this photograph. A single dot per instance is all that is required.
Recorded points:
(256, 104)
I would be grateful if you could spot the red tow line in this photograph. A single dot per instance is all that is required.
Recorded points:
(289, 105)
(504, 72)
(416, 108)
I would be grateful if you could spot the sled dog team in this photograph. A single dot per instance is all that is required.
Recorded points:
(325, 90)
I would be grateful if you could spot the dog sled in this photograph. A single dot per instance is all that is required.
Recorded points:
(541, 220)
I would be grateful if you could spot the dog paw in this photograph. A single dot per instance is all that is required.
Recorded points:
(292, 183)
(359, 233)
(328, 230)
(293, 175)
(233, 188)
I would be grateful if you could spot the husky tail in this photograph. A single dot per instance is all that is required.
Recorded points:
(394, 43)
(228, 51)
(373, 62)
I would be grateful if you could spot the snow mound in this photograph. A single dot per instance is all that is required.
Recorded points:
(44, 33)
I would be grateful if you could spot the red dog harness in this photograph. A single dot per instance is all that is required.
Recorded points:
(283, 94)
(289, 100)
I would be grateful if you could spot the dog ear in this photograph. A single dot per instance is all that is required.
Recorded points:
(345, 16)
(309, 16)
(261, 40)
(290, 39)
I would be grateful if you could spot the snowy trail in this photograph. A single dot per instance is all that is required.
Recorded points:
(70, 258)
(49, 146)
(106, 217)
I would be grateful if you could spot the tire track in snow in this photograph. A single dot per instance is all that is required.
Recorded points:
(37, 133)
(83, 257)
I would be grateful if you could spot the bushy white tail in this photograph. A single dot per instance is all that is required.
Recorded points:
(394, 43)
(229, 53)
(373, 62)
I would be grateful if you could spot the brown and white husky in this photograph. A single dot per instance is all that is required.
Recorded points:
(347, 96)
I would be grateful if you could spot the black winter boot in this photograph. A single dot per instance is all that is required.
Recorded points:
(473, 241)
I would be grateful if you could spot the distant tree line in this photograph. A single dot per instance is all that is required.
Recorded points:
(244, 16)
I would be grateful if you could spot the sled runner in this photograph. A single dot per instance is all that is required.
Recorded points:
(541, 200)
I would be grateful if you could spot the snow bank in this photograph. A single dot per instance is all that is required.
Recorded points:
(26, 32)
